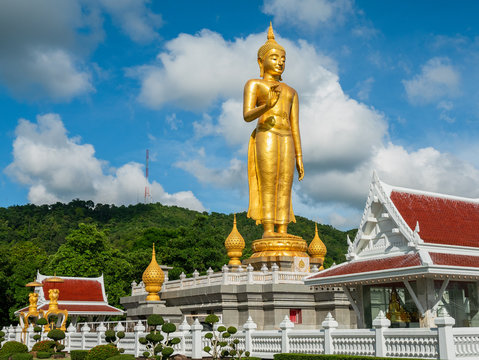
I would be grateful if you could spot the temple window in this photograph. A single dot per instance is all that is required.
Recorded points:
(461, 302)
(295, 316)
(394, 300)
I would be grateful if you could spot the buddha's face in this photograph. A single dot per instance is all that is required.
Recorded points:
(274, 61)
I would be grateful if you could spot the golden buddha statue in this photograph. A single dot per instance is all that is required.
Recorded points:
(275, 145)
(273, 152)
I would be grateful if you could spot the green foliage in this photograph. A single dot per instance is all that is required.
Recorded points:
(122, 357)
(43, 354)
(42, 321)
(2, 338)
(111, 338)
(56, 335)
(102, 352)
(22, 356)
(78, 354)
(219, 346)
(156, 344)
(330, 357)
(45, 345)
(86, 239)
(12, 347)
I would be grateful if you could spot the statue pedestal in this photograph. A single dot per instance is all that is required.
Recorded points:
(289, 252)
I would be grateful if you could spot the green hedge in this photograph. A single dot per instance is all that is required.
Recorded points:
(78, 354)
(12, 347)
(122, 357)
(332, 357)
(44, 354)
(22, 356)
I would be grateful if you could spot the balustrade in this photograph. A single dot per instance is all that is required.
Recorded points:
(443, 342)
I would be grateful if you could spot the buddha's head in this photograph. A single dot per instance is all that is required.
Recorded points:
(271, 56)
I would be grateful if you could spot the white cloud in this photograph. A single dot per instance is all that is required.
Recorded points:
(59, 168)
(308, 13)
(134, 18)
(45, 45)
(438, 79)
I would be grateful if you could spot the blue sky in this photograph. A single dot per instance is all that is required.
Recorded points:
(87, 86)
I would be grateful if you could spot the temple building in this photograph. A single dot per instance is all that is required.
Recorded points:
(415, 252)
(267, 287)
(74, 296)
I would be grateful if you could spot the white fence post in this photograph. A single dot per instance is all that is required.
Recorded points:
(119, 327)
(197, 350)
(275, 273)
(70, 330)
(18, 333)
(28, 338)
(329, 324)
(444, 323)
(184, 329)
(100, 331)
(84, 330)
(380, 323)
(286, 325)
(139, 329)
(249, 327)
(225, 271)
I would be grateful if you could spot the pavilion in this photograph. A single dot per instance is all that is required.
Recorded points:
(415, 252)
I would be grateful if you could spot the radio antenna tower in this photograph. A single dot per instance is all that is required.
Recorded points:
(147, 187)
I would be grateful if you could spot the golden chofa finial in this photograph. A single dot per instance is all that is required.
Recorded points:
(153, 278)
(234, 245)
(317, 249)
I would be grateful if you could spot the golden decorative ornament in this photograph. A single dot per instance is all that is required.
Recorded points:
(54, 279)
(234, 245)
(317, 249)
(34, 284)
(153, 278)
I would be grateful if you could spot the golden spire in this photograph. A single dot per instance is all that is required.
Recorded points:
(270, 31)
(316, 248)
(234, 245)
(153, 278)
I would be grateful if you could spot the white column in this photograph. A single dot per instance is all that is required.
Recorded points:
(139, 329)
(444, 325)
(250, 269)
(28, 337)
(197, 351)
(249, 327)
(286, 325)
(380, 324)
(329, 324)
(225, 270)
(275, 273)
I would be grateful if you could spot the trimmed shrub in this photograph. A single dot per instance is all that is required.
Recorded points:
(12, 347)
(45, 346)
(22, 356)
(330, 357)
(122, 357)
(102, 352)
(78, 354)
(44, 354)
(57, 335)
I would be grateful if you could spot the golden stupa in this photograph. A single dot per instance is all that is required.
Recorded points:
(317, 249)
(153, 278)
(234, 245)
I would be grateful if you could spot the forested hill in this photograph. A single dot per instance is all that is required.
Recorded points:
(84, 239)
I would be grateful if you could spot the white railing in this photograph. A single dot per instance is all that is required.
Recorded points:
(248, 276)
(443, 342)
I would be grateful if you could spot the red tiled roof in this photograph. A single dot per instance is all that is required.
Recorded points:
(441, 220)
(356, 267)
(454, 260)
(76, 290)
